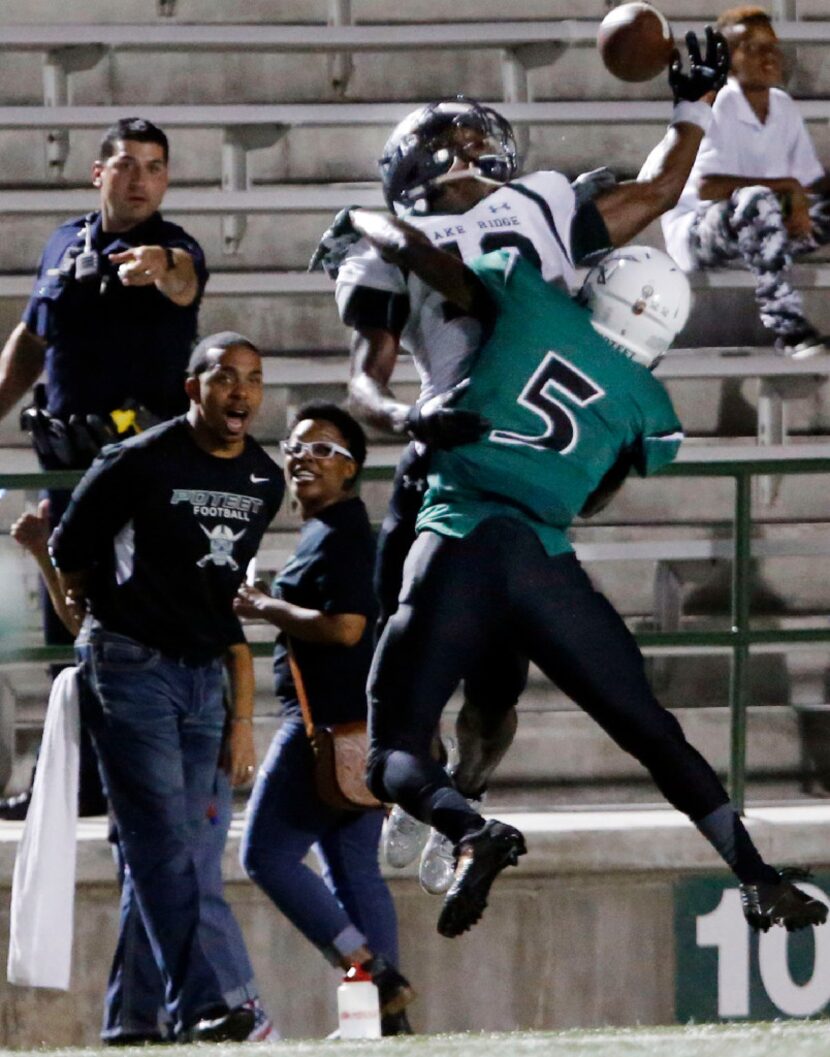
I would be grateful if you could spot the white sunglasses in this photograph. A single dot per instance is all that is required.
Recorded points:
(317, 449)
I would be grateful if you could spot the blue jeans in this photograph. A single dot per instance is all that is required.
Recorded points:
(351, 904)
(157, 728)
(134, 1001)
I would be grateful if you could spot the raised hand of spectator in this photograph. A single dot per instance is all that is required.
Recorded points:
(31, 531)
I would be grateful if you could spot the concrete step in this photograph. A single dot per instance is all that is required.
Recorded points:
(574, 144)
(363, 11)
(137, 79)
(289, 311)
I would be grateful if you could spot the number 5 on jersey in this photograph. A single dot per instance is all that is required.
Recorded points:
(552, 378)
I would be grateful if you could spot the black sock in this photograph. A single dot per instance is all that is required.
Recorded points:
(728, 836)
(449, 812)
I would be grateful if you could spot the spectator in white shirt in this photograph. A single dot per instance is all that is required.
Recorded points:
(758, 192)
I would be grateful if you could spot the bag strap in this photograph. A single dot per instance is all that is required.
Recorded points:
(299, 686)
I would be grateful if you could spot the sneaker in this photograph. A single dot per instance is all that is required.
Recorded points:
(231, 1025)
(767, 904)
(403, 838)
(15, 808)
(135, 1038)
(394, 990)
(437, 867)
(803, 346)
(263, 1029)
(481, 857)
(395, 1024)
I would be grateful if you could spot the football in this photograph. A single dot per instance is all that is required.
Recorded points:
(635, 41)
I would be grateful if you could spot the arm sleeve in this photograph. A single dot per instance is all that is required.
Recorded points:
(234, 632)
(345, 576)
(371, 292)
(495, 269)
(589, 235)
(101, 505)
(365, 307)
(661, 436)
(35, 314)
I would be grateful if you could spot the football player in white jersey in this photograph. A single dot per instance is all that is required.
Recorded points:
(450, 168)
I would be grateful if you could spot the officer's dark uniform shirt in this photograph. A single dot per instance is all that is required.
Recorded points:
(104, 348)
(331, 571)
(167, 532)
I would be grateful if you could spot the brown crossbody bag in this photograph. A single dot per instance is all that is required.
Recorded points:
(340, 752)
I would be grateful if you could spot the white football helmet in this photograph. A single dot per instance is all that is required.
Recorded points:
(639, 300)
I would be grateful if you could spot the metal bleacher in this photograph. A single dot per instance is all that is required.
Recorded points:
(258, 281)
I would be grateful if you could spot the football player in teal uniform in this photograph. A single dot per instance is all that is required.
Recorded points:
(451, 168)
(571, 407)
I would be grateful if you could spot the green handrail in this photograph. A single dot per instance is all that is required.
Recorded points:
(741, 464)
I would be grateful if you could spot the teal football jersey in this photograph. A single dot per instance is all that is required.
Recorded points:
(563, 403)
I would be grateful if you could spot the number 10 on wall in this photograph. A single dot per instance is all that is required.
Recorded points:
(725, 970)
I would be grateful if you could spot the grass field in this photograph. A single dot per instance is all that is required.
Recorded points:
(778, 1039)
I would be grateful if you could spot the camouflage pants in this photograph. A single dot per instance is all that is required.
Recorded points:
(750, 226)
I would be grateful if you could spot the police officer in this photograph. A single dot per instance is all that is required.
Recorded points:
(112, 318)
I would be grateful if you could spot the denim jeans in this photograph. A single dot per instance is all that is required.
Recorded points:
(134, 1003)
(157, 728)
(350, 905)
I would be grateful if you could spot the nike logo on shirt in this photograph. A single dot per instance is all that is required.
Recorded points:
(258, 480)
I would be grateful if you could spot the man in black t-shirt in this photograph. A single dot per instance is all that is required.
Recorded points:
(152, 549)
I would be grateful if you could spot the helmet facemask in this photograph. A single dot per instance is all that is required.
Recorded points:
(423, 150)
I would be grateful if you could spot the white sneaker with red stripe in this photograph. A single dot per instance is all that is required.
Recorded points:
(263, 1029)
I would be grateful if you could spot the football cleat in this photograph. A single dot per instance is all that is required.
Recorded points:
(394, 990)
(766, 904)
(481, 857)
(395, 1024)
(403, 838)
(231, 1025)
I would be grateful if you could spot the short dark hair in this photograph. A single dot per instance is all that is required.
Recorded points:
(743, 15)
(340, 418)
(224, 339)
(137, 128)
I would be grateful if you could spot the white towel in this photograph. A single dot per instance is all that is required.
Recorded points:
(43, 886)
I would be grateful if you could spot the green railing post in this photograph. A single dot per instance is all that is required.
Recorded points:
(739, 672)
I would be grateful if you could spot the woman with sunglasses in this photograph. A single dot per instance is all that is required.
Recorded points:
(323, 605)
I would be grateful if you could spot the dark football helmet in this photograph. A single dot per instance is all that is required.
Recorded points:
(424, 146)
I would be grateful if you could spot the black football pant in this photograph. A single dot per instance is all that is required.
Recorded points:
(474, 602)
(491, 689)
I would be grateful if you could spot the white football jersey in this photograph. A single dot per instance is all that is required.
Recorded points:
(532, 214)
